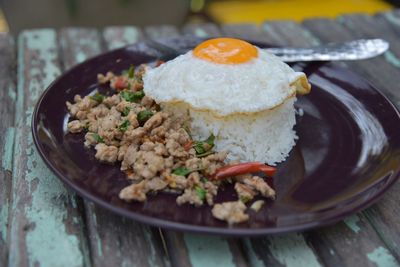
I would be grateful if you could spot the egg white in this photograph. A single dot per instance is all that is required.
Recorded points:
(259, 84)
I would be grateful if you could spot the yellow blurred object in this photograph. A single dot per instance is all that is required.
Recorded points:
(257, 11)
(3, 23)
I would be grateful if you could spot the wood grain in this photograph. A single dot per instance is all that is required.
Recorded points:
(7, 110)
(114, 241)
(45, 226)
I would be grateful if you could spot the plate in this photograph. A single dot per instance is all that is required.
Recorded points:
(346, 157)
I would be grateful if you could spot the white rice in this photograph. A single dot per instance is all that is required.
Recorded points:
(265, 136)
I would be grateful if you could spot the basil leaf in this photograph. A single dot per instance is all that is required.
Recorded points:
(181, 171)
(144, 115)
(126, 111)
(201, 192)
(244, 199)
(132, 96)
(210, 140)
(97, 97)
(98, 138)
(198, 146)
(205, 154)
(131, 71)
(124, 126)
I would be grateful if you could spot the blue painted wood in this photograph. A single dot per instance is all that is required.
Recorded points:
(7, 110)
(45, 227)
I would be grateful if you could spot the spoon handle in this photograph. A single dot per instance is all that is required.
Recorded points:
(354, 50)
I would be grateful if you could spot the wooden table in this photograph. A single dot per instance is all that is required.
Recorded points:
(43, 224)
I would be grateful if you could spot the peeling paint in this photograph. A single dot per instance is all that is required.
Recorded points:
(200, 32)
(292, 250)
(254, 259)
(351, 222)
(382, 258)
(392, 18)
(130, 35)
(12, 94)
(3, 221)
(47, 241)
(208, 251)
(392, 59)
(7, 151)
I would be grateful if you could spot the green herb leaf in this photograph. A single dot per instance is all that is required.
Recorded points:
(132, 96)
(244, 199)
(131, 71)
(98, 138)
(98, 97)
(205, 154)
(210, 140)
(126, 111)
(182, 171)
(124, 126)
(144, 115)
(201, 192)
(198, 146)
(204, 180)
(203, 148)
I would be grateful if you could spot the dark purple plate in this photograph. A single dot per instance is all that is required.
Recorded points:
(347, 155)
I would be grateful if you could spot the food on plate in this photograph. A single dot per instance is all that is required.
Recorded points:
(178, 128)
(236, 91)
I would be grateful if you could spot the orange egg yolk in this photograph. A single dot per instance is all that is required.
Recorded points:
(226, 51)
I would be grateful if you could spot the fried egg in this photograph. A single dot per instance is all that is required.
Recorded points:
(225, 76)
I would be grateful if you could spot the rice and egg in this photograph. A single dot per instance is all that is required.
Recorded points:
(243, 95)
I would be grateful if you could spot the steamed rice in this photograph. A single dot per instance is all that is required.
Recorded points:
(265, 136)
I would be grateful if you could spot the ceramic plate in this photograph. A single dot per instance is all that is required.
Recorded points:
(346, 157)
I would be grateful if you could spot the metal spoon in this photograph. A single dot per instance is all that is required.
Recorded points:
(354, 50)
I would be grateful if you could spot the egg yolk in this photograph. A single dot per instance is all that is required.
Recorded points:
(225, 51)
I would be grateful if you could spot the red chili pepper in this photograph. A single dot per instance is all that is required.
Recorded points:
(188, 145)
(243, 168)
(159, 63)
(120, 84)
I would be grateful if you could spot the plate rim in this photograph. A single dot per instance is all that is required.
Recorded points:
(172, 225)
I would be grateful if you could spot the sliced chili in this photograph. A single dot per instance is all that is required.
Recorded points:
(243, 168)
(120, 84)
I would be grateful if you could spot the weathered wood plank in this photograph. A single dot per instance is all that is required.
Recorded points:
(286, 250)
(45, 223)
(377, 70)
(162, 31)
(7, 109)
(189, 249)
(365, 26)
(116, 37)
(202, 30)
(114, 241)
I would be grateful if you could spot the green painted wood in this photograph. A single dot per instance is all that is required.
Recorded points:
(202, 30)
(377, 70)
(45, 225)
(116, 37)
(7, 110)
(365, 26)
(161, 31)
(114, 241)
